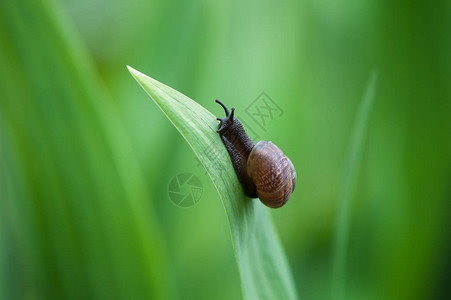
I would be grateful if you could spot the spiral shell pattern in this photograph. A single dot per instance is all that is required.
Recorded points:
(272, 172)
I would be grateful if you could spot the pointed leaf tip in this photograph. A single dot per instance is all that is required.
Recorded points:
(130, 69)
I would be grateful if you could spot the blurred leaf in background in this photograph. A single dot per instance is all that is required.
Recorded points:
(75, 215)
(84, 203)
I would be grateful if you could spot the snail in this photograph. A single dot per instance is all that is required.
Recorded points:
(263, 169)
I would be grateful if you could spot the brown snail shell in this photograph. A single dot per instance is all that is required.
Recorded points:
(272, 172)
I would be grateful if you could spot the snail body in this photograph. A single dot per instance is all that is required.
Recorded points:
(263, 169)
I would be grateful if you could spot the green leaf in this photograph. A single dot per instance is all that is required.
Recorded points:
(262, 264)
(350, 178)
(75, 217)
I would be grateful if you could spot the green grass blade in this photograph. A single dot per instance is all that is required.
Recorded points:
(262, 264)
(74, 211)
(350, 176)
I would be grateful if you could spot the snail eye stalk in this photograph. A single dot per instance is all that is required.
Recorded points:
(227, 121)
(223, 106)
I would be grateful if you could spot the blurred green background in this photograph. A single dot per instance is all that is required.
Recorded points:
(86, 157)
